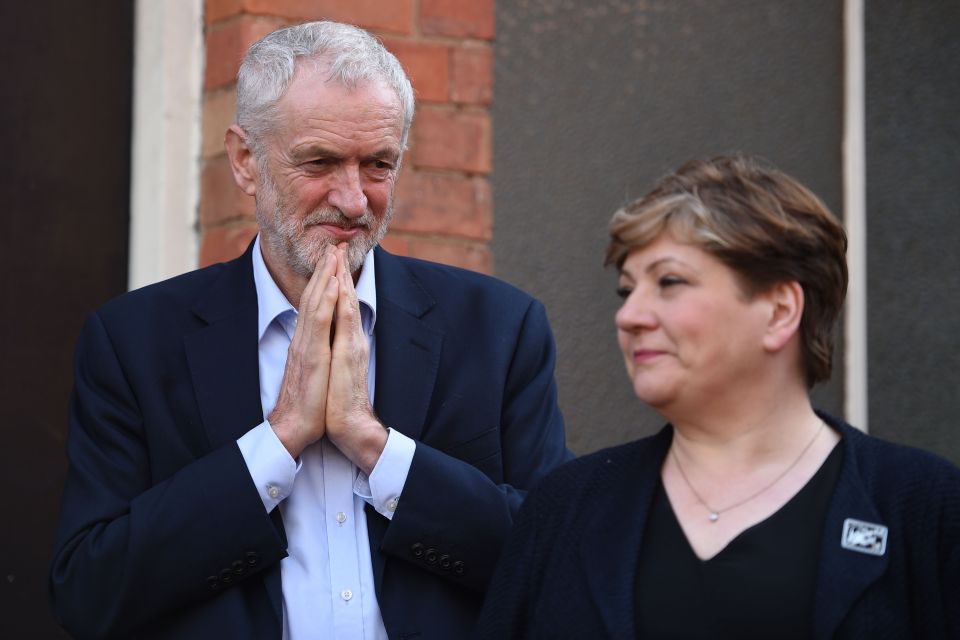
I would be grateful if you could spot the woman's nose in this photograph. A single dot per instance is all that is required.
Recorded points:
(634, 314)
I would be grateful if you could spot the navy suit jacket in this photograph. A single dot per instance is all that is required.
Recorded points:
(162, 532)
(568, 570)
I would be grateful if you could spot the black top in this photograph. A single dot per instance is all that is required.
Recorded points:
(761, 585)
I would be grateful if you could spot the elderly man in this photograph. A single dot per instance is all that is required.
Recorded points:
(318, 439)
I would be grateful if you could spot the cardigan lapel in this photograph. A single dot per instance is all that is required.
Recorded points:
(843, 575)
(408, 357)
(616, 535)
(225, 368)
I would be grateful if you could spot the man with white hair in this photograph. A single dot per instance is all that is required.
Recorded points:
(318, 439)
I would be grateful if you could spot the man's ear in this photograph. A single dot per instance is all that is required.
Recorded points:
(242, 162)
(786, 311)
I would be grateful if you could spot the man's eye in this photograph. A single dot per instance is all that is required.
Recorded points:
(624, 292)
(382, 164)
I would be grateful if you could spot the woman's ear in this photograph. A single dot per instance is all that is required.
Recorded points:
(786, 310)
(242, 162)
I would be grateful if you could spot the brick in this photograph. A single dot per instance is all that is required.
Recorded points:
(395, 243)
(221, 200)
(427, 65)
(225, 243)
(215, 10)
(475, 256)
(219, 110)
(228, 42)
(452, 205)
(447, 139)
(457, 18)
(472, 74)
(394, 16)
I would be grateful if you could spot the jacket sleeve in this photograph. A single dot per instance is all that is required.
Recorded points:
(454, 517)
(130, 546)
(506, 608)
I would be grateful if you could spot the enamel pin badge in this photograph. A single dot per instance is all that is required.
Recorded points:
(864, 537)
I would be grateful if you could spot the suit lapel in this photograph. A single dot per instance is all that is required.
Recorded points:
(408, 349)
(843, 574)
(615, 540)
(223, 355)
(224, 364)
(408, 357)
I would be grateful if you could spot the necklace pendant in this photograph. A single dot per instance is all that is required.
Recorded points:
(714, 516)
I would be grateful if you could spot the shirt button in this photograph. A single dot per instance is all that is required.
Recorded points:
(346, 594)
(392, 504)
(341, 517)
(273, 492)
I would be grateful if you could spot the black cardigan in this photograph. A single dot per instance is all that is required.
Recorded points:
(568, 570)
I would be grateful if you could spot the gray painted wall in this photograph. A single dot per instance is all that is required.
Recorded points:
(595, 101)
(913, 225)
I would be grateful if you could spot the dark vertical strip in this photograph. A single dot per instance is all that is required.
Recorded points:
(64, 192)
(913, 221)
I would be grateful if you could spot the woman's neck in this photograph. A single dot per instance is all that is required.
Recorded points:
(749, 432)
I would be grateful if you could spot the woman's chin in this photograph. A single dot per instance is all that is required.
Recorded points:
(656, 396)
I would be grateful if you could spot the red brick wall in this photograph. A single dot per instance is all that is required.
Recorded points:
(443, 204)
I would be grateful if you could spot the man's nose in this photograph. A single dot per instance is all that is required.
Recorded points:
(347, 192)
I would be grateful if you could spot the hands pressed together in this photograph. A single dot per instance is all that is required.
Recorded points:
(324, 387)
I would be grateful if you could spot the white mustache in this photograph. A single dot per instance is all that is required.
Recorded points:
(336, 217)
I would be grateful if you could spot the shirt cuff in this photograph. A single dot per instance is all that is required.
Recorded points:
(269, 464)
(383, 488)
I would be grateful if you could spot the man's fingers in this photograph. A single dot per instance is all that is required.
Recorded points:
(312, 308)
(310, 299)
(348, 306)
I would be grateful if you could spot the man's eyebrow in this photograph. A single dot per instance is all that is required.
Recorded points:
(387, 153)
(313, 150)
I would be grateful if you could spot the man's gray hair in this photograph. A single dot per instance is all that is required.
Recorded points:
(349, 54)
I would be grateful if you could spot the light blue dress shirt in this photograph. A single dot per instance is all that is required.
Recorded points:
(327, 578)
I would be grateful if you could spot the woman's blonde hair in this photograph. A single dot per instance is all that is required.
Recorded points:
(761, 223)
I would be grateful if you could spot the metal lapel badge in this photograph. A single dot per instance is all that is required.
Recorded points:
(864, 537)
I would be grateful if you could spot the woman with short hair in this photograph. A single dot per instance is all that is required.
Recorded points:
(750, 515)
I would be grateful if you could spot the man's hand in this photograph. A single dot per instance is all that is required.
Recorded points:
(299, 417)
(351, 424)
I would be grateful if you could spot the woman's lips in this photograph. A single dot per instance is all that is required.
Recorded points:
(641, 356)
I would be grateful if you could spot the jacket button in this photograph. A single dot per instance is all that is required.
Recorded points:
(445, 562)
(459, 568)
(226, 577)
(239, 568)
(431, 556)
(252, 557)
(417, 550)
(213, 582)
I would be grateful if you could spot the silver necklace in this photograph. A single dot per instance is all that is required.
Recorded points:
(714, 514)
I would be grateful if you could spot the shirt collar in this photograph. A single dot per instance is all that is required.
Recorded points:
(271, 302)
(367, 293)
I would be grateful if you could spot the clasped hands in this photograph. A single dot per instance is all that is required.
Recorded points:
(324, 387)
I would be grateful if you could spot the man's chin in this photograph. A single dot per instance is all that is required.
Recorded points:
(306, 262)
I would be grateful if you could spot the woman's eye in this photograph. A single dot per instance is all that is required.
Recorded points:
(669, 281)
(624, 292)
